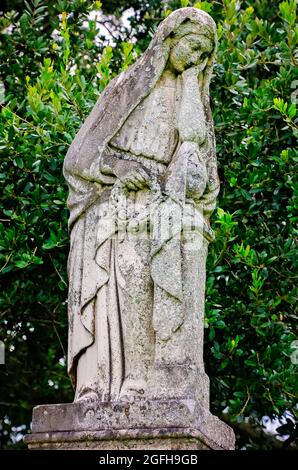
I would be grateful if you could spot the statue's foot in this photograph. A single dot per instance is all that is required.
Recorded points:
(133, 388)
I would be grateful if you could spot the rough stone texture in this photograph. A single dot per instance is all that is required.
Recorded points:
(137, 424)
(141, 440)
(143, 183)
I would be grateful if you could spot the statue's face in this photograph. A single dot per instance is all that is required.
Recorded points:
(190, 51)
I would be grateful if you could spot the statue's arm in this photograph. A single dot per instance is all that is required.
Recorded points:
(131, 173)
(113, 163)
(208, 199)
(87, 174)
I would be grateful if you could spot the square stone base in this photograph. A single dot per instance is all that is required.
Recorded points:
(137, 424)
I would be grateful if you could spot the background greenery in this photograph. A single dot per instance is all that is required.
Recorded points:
(55, 61)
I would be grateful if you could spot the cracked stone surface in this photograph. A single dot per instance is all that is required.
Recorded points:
(143, 182)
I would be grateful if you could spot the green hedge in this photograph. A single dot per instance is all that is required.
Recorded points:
(52, 70)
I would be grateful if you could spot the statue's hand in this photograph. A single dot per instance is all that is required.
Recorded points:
(195, 70)
(189, 149)
(132, 175)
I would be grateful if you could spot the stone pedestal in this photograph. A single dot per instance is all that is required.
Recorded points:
(137, 425)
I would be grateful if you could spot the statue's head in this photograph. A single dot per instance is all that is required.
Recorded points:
(192, 44)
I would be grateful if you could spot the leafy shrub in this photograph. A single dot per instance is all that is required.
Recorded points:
(54, 64)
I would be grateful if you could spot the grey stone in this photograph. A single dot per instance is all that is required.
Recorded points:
(148, 424)
(143, 183)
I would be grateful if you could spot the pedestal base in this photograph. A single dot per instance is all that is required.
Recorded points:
(137, 424)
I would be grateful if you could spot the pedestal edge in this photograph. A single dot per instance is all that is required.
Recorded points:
(51, 439)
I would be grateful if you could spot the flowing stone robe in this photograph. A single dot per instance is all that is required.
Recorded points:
(136, 301)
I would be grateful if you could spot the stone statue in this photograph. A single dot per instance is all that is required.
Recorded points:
(143, 183)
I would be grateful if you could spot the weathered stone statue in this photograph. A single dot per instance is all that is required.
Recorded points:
(143, 182)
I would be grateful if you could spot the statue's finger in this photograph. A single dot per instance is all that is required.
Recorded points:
(131, 185)
(140, 179)
(144, 174)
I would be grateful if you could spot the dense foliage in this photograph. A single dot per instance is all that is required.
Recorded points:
(56, 58)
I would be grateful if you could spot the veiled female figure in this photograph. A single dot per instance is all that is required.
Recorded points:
(137, 278)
